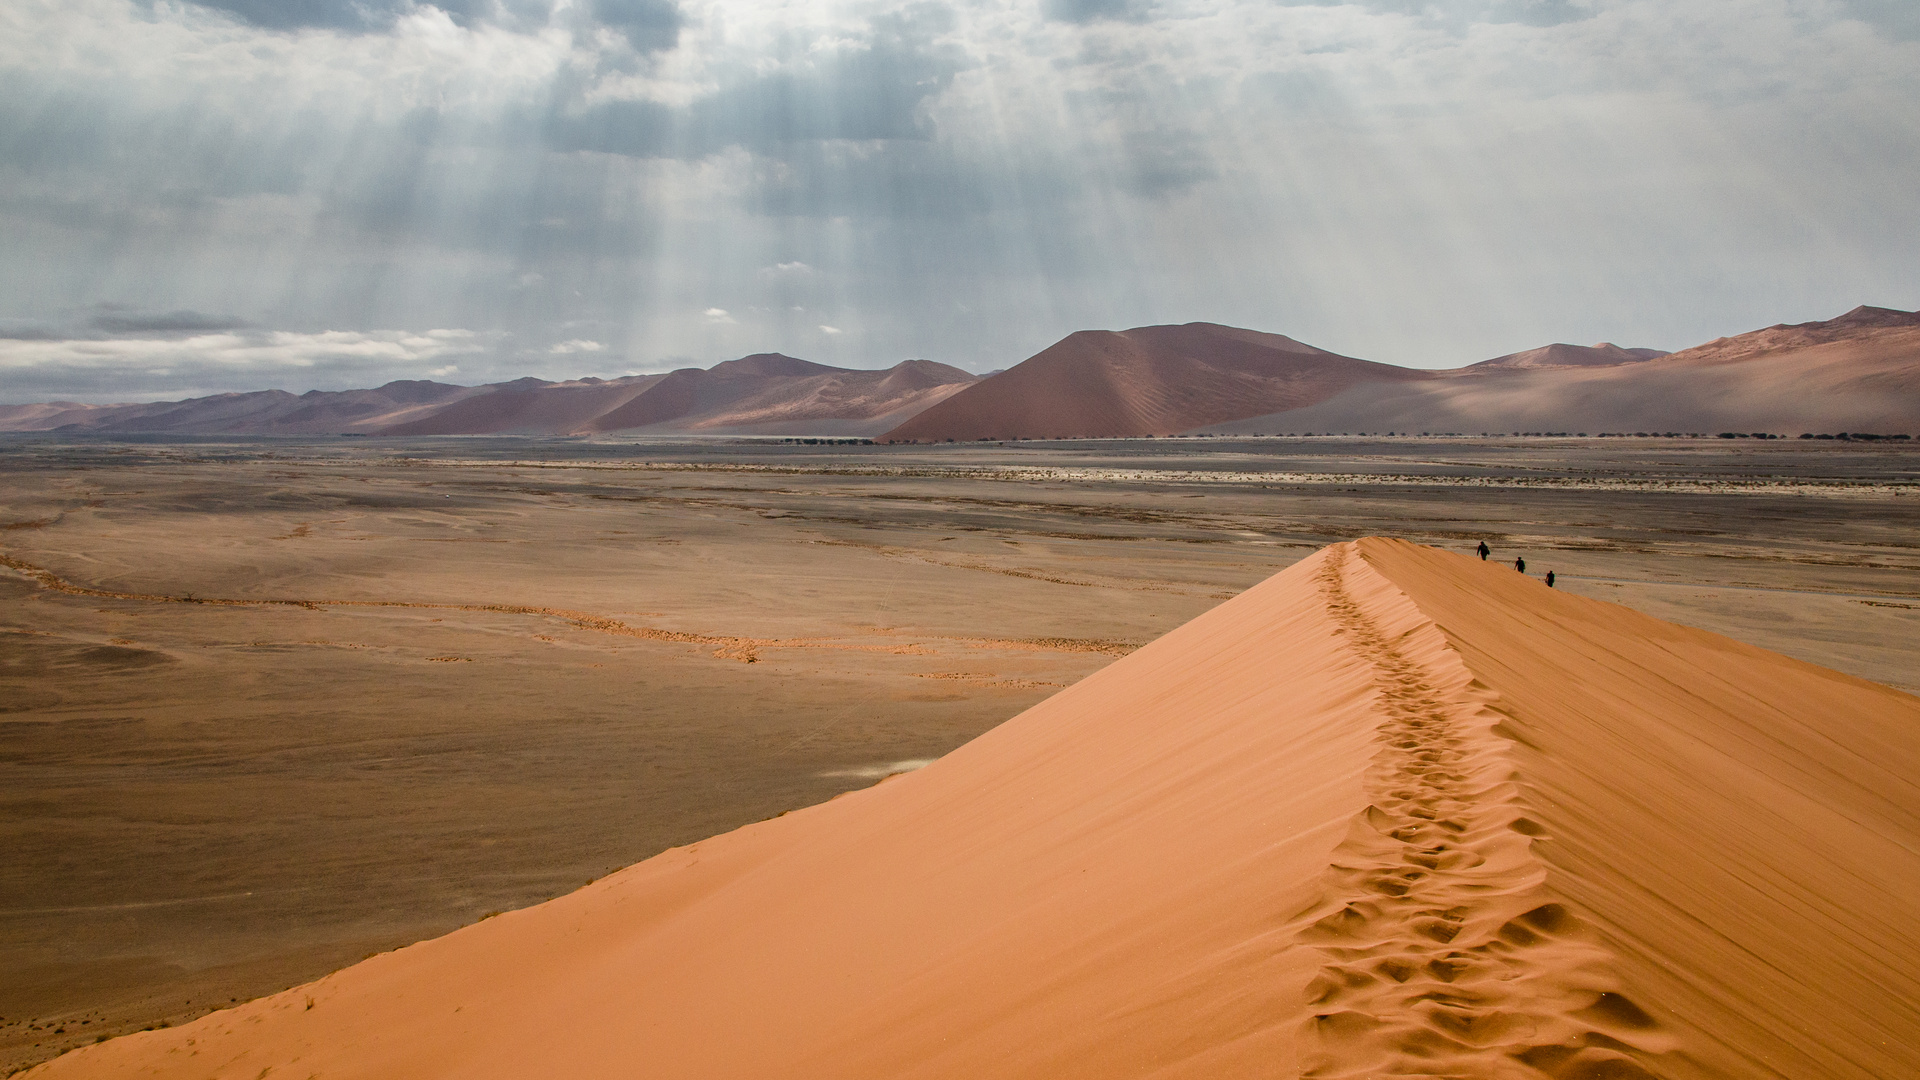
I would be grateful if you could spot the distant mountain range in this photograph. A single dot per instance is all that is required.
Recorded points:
(762, 394)
(1858, 372)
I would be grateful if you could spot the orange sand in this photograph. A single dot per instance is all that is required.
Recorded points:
(1392, 812)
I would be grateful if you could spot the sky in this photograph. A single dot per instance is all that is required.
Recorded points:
(210, 195)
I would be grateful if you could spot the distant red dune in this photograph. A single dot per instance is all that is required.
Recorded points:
(1152, 380)
(1858, 372)
(766, 393)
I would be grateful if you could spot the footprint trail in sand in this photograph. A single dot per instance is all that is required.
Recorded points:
(1447, 956)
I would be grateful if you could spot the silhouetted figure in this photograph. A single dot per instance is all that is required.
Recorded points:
(1484, 551)
(1549, 579)
(1520, 565)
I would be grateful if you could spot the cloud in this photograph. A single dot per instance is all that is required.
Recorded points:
(379, 16)
(578, 345)
(719, 315)
(348, 15)
(868, 89)
(1899, 19)
(1086, 11)
(648, 25)
(170, 322)
(1461, 13)
(1423, 181)
(830, 330)
(120, 368)
(27, 330)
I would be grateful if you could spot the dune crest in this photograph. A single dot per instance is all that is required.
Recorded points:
(1449, 956)
(1393, 812)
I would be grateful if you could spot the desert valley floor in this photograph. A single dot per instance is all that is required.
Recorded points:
(269, 706)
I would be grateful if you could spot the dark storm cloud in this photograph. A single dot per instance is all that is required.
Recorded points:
(865, 93)
(1086, 11)
(168, 322)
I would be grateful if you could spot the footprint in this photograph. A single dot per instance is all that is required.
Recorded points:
(1409, 987)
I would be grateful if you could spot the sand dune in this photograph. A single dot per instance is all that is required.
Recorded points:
(776, 394)
(525, 406)
(1151, 380)
(1859, 372)
(766, 393)
(1392, 812)
(47, 415)
(1605, 354)
(264, 412)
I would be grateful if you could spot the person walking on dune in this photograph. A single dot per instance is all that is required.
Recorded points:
(1484, 551)
(1549, 579)
(1520, 565)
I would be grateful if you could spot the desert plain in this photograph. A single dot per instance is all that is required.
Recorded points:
(274, 705)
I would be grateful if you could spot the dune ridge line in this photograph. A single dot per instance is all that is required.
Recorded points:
(1448, 955)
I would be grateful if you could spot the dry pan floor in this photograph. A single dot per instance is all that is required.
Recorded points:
(1392, 812)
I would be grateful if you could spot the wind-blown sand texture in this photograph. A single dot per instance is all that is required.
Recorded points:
(1391, 812)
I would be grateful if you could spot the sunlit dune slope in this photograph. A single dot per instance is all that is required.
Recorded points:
(1392, 812)
(1151, 380)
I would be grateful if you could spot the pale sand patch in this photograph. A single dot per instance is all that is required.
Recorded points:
(880, 772)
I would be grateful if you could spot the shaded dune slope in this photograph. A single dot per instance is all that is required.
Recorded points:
(1151, 380)
(1392, 812)
(1560, 354)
